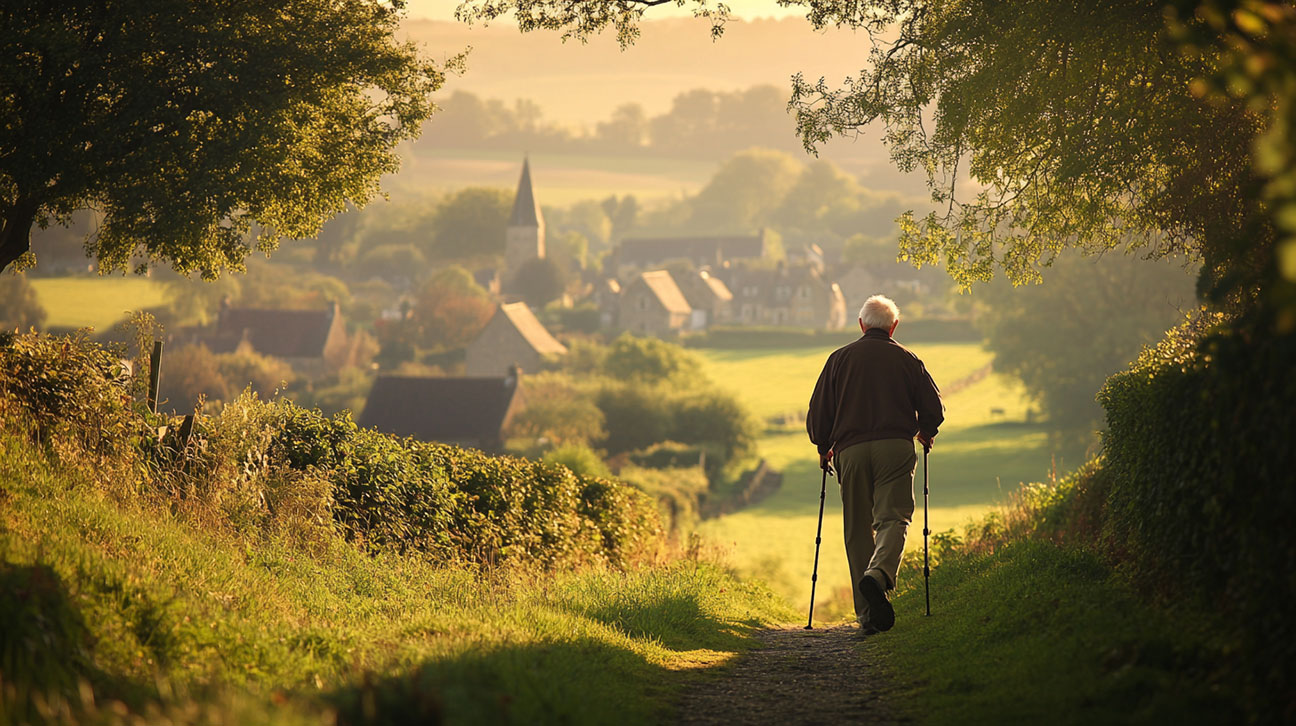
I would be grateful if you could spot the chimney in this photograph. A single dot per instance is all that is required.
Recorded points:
(514, 376)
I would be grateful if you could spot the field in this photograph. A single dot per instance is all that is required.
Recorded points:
(978, 460)
(95, 302)
(560, 179)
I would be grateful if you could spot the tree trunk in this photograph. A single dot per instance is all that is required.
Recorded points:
(15, 232)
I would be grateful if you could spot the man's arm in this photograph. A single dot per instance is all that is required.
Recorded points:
(823, 411)
(930, 411)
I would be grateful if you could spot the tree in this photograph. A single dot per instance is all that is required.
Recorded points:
(627, 129)
(1087, 321)
(449, 310)
(650, 360)
(472, 222)
(742, 193)
(20, 309)
(189, 125)
(556, 410)
(539, 281)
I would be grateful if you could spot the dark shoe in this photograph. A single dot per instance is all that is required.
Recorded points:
(881, 614)
(867, 629)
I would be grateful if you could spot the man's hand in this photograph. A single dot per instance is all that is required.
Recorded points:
(926, 442)
(825, 460)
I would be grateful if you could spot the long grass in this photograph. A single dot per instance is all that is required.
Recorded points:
(181, 616)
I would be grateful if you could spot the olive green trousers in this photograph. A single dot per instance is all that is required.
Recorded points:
(876, 479)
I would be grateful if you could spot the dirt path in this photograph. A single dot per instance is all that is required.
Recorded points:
(793, 677)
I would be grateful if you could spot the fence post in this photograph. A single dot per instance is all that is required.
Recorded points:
(155, 375)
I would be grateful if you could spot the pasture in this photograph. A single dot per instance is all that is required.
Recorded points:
(980, 457)
(560, 179)
(95, 302)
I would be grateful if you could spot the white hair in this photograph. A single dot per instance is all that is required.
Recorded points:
(879, 311)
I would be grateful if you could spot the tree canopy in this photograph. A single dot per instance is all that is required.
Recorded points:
(192, 127)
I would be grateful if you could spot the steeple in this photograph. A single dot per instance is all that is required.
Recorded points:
(526, 229)
(526, 212)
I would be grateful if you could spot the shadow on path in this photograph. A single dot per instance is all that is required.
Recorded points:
(794, 677)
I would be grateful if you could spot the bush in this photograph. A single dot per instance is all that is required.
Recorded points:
(66, 387)
(1199, 451)
(20, 309)
(280, 469)
(581, 459)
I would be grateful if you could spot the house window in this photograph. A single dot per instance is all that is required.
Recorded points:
(642, 303)
(750, 291)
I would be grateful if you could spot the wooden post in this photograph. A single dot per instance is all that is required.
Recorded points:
(186, 430)
(155, 375)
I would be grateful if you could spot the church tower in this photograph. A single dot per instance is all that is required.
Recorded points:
(525, 238)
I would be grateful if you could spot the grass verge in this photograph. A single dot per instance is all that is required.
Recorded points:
(117, 607)
(1036, 633)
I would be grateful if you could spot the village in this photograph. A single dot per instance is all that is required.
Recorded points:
(668, 288)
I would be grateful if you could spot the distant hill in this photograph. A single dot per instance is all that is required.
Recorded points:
(578, 85)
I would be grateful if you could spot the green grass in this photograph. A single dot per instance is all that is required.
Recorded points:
(177, 609)
(978, 460)
(95, 302)
(1039, 634)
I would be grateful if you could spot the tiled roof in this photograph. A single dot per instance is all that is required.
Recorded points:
(440, 409)
(663, 286)
(526, 323)
(717, 286)
(280, 333)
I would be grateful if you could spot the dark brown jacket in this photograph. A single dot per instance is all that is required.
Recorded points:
(872, 389)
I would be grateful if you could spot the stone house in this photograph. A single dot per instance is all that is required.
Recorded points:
(710, 298)
(513, 337)
(652, 304)
(468, 412)
(790, 295)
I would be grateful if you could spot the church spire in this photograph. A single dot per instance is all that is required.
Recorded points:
(526, 212)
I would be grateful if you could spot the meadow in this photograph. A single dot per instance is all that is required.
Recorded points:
(980, 457)
(95, 302)
(560, 179)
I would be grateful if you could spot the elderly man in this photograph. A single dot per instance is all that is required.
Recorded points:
(872, 400)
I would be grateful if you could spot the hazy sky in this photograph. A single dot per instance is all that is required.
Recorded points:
(444, 9)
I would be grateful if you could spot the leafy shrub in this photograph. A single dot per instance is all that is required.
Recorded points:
(20, 309)
(1199, 450)
(67, 387)
(581, 459)
(277, 468)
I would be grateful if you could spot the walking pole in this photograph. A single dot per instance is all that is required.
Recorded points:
(926, 531)
(814, 578)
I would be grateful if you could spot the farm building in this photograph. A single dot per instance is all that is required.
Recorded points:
(652, 304)
(469, 412)
(513, 337)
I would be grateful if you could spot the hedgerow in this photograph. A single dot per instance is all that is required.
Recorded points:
(277, 467)
(1200, 457)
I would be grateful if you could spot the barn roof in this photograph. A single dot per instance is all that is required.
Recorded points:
(663, 286)
(535, 334)
(441, 409)
(280, 333)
